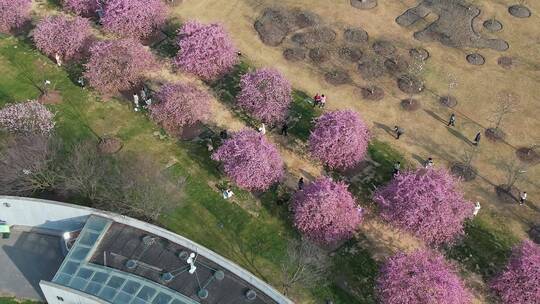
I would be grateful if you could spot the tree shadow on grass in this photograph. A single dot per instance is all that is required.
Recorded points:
(385, 128)
(458, 135)
(437, 117)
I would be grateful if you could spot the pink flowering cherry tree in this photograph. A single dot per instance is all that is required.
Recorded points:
(27, 118)
(206, 50)
(180, 105)
(134, 18)
(420, 277)
(326, 212)
(13, 14)
(86, 8)
(116, 65)
(340, 139)
(519, 283)
(62, 36)
(250, 160)
(266, 95)
(427, 203)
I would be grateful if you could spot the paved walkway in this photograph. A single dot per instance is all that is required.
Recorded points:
(26, 258)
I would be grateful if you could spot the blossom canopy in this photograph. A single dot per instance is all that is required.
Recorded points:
(27, 118)
(13, 13)
(427, 203)
(326, 212)
(133, 18)
(250, 161)
(420, 277)
(206, 50)
(519, 283)
(339, 139)
(266, 95)
(86, 8)
(179, 105)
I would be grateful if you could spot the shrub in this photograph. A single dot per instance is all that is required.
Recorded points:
(266, 95)
(27, 118)
(61, 35)
(519, 283)
(179, 105)
(117, 64)
(134, 18)
(326, 212)
(13, 14)
(427, 203)
(420, 277)
(85, 8)
(339, 139)
(250, 161)
(205, 50)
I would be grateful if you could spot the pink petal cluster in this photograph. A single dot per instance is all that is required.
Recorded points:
(13, 13)
(250, 161)
(85, 8)
(326, 212)
(28, 118)
(519, 283)
(116, 65)
(266, 95)
(134, 18)
(420, 277)
(205, 50)
(339, 139)
(427, 203)
(61, 35)
(179, 105)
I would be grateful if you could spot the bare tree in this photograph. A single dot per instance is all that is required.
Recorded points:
(507, 103)
(514, 171)
(305, 265)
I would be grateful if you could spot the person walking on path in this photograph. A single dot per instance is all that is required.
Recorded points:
(316, 100)
(477, 139)
(322, 103)
(429, 163)
(285, 129)
(476, 208)
(262, 129)
(452, 120)
(136, 101)
(399, 131)
(301, 183)
(522, 198)
(397, 167)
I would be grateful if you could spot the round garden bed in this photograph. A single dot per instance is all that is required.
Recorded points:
(410, 85)
(494, 134)
(315, 36)
(294, 54)
(410, 104)
(352, 54)
(319, 54)
(528, 155)
(371, 68)
(355, 35)
(519, 11)
(364, 4)
(493, 25)
(419, 54)
(337, 77)
(475, 59)
(384, 48)
(448, 101)
(466, 173)
(109, 145)
(396, 65)
(372, 93)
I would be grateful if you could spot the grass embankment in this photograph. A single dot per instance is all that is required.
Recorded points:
(4, 300)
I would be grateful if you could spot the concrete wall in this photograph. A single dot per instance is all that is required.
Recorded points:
(58, 294)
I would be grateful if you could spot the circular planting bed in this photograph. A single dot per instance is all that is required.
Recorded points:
(371, 68)
(519, 11)
(314, 36)
(448, 101)
(319, 55)
(528, 155)
(494, 134)
(410, 104)
(273, 26)
(410, 85)
(364, 4)
(509, 196)
(337, 77)
(355, 35)
(109, 145)
(352, 54)
(476, 59)
(384, 48)
(372, 93)
(466, 173)
(294, 54)
(506, 62)
(50, 97)
(419, 54)
(396, 65)
(493, 25)
(303, 19)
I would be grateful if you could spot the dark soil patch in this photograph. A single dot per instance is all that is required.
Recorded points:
(337, 77)
(493, 25)
(384, 48)
(476, 59)
(294, 54)
(419, 54)
(505, 61)
(348, 53)
(372, 93)
(448, 101)
(50, 97)
(109, 145)
(273, 26)
(191, 132)
(355, 35)
(303, 19)
(396, 65)
(410, 84)
(364, 4)
(466, 173)
(509, 196)
(528, 155)
(371, 68)
(315, 36)
(319, 54)
(410, 104)
(534, 233)
(519, 11)
(494, 134)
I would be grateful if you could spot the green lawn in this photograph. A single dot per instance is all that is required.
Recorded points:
(15, 301)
